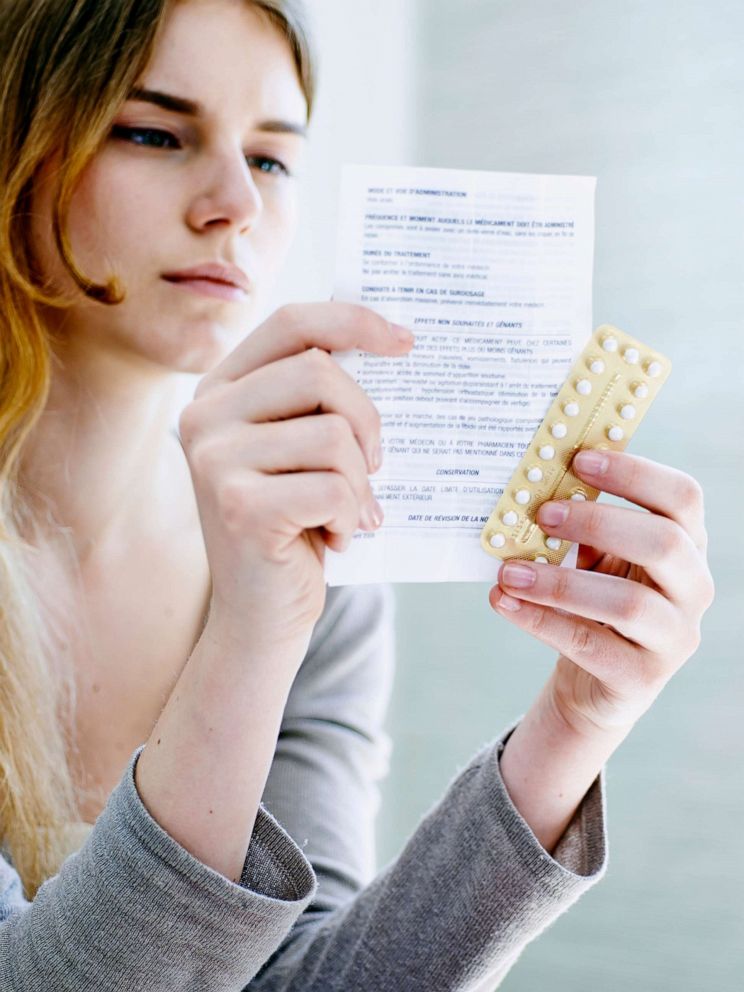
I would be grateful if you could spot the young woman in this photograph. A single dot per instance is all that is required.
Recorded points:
(190, 723)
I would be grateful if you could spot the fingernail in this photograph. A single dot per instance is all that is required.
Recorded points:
(402, 334)
(592, 462)
(552, 514)
(518, 576)
(505, 602)
(375, 457)
(372, 515)
(379, 513)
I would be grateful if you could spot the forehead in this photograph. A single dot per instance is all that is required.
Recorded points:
(226, 55)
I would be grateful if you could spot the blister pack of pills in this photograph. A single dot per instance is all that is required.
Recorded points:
(605, 397)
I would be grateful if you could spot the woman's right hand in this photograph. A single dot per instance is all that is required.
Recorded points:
(280, 440)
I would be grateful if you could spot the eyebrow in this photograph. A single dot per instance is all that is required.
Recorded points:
(180, 105)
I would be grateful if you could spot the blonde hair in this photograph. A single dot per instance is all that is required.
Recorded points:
(66, 66)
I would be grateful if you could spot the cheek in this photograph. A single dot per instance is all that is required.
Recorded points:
(278, 227)
(105, 221)
(111, 215)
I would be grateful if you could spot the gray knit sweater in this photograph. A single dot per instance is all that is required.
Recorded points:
(133, 910)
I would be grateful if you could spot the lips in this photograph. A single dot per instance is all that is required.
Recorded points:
(215, 272)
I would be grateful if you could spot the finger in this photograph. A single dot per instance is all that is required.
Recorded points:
(319, 443)
(658, 488)
(636, 611)
(599, 650)
(293, 386)
(657, 544)
(297, 326)
(275, 507)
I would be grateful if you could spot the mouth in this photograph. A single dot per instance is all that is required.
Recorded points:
(215, 288)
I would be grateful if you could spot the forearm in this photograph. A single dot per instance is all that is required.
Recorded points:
(204, 769)
(548, 767)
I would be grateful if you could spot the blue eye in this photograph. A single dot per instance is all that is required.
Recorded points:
(130, 133)
(275, 167)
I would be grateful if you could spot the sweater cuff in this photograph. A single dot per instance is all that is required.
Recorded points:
(196, 921)
(274, 868)
(582, 851)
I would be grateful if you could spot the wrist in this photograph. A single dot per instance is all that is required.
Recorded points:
(243, 637)
(548, 766)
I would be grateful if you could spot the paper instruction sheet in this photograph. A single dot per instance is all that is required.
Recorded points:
(493, 273)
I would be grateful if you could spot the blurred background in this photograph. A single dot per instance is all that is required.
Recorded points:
(648, 97)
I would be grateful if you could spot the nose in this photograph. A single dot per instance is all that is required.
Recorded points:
(229, 195)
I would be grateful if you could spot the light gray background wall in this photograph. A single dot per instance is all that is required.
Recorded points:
(647, 96)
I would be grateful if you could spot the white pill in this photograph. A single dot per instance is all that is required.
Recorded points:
(610, 344)
(653, 369)
(559, 430)
(547, 452)
(628, 411)
(615, 433)
(631, 356)
(571, 409)
(522, 497)
(510, 518)
(535, 474)
(641, 391)
(578, 497)
(497, 541)
(542, 559)
(583, 387)
(553, 543)
(597, 366)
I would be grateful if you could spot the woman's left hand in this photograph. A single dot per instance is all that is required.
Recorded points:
(628, 617)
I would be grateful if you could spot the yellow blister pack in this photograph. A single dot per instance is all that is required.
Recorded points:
(605, 397)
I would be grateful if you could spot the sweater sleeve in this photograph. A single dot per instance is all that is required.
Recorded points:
(134, 911)
(472, 886)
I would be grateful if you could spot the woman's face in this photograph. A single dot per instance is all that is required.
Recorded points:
(169, 191)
